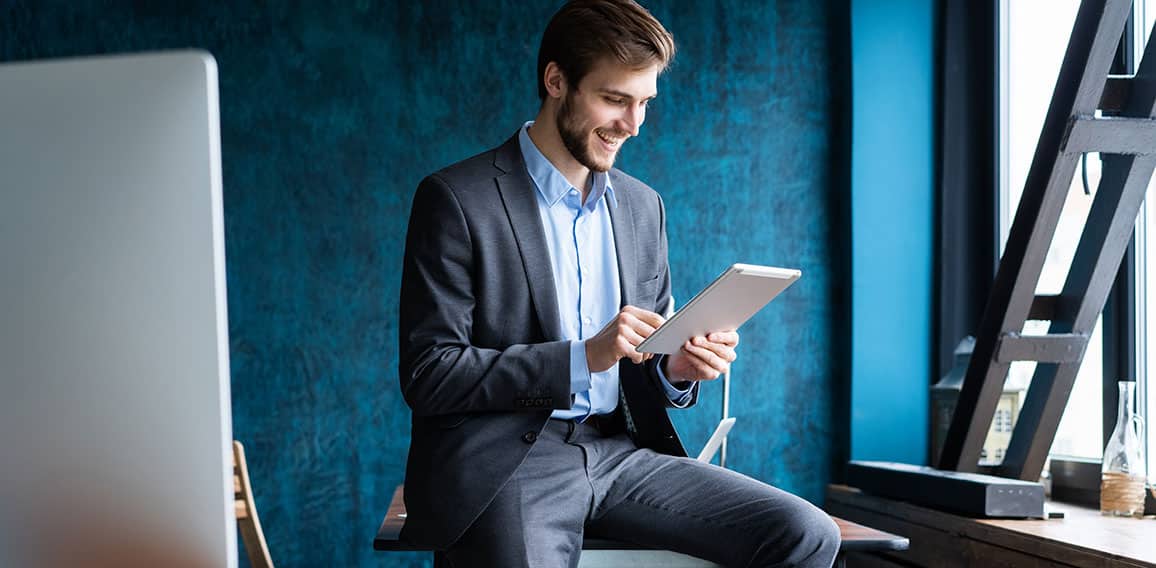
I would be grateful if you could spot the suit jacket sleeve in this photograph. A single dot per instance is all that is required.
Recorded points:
(441, 372)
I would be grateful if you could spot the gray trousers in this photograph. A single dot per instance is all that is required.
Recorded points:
(577, 479)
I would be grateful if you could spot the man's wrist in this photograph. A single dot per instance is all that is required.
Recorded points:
(666, 376)
(674, 381)
(591, 358)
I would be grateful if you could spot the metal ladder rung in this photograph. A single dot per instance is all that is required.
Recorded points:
(1132, 136)
(1051, 348)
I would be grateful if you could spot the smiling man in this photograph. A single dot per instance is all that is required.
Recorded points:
(531, 273)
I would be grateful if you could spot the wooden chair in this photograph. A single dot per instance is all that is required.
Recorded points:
(247, 520)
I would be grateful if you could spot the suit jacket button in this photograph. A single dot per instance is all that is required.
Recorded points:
(530, 437)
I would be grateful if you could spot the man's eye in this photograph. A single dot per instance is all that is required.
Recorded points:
(615, 101)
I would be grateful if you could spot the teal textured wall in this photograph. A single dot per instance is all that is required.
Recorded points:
(891, 203)
(332, 112)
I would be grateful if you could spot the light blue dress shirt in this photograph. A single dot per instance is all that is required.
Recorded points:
(584, 262)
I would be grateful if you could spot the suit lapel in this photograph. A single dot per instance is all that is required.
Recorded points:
(518, 196)
(622, 220)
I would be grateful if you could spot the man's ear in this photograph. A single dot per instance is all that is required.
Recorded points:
(554, 80)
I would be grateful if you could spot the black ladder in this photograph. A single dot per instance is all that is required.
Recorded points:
(1127, 142)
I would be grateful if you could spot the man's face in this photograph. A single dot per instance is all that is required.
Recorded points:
(607, 107)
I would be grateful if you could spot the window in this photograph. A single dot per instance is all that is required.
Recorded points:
(1035, 34)
(1003, 421)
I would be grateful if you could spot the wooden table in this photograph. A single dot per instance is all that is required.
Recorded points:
(1082, 537)
(601, 552)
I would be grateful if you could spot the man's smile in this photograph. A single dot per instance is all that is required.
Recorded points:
(612, 139)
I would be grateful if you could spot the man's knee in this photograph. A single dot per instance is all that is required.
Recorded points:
(810, 538)
(819, 539)
(829, 536)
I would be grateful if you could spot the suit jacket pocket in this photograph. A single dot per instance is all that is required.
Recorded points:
(648, 293)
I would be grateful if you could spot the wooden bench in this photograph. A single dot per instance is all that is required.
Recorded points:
(599, 553)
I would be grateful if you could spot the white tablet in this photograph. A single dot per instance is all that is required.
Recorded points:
(728, 302)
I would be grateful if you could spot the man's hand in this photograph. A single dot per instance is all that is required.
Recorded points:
(619, 338)
(703, 358)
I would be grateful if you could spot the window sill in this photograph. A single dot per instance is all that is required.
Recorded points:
(1082, 538)
(1076, 481)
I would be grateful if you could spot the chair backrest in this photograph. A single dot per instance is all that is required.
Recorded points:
(247, 519)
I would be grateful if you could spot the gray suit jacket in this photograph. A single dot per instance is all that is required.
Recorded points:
(482, 361)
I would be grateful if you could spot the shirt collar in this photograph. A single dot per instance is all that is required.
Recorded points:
(551, 184)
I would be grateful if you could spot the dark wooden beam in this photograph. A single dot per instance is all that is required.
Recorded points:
(1078, 91)
(1057, 348)
(1123, 183)
(1132, 136)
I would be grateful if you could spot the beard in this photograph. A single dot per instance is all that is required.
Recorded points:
(577, 141)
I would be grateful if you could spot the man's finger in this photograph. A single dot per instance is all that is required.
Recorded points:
(707, 358)
(651, 318)
(635, 356)
(636, 324)
(728, 338)
(720, 349)
(633, 335)
(702, 370)
(628, 339)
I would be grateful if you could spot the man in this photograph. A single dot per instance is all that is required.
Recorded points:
(531, 273)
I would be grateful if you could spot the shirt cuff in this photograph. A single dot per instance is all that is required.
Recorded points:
(579, 370)
(679, 398)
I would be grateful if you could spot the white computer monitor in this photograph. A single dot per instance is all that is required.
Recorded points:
(115, 424)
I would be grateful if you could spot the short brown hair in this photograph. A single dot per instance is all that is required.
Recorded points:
(584, 31)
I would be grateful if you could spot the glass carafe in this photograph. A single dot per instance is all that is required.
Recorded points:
(1123, 476)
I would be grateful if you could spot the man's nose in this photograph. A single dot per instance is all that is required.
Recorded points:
(633, 119)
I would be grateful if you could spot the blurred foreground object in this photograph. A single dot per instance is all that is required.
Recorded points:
(114, 370)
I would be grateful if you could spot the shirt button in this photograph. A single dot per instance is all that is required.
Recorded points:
(587, 320)
(530, 437)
